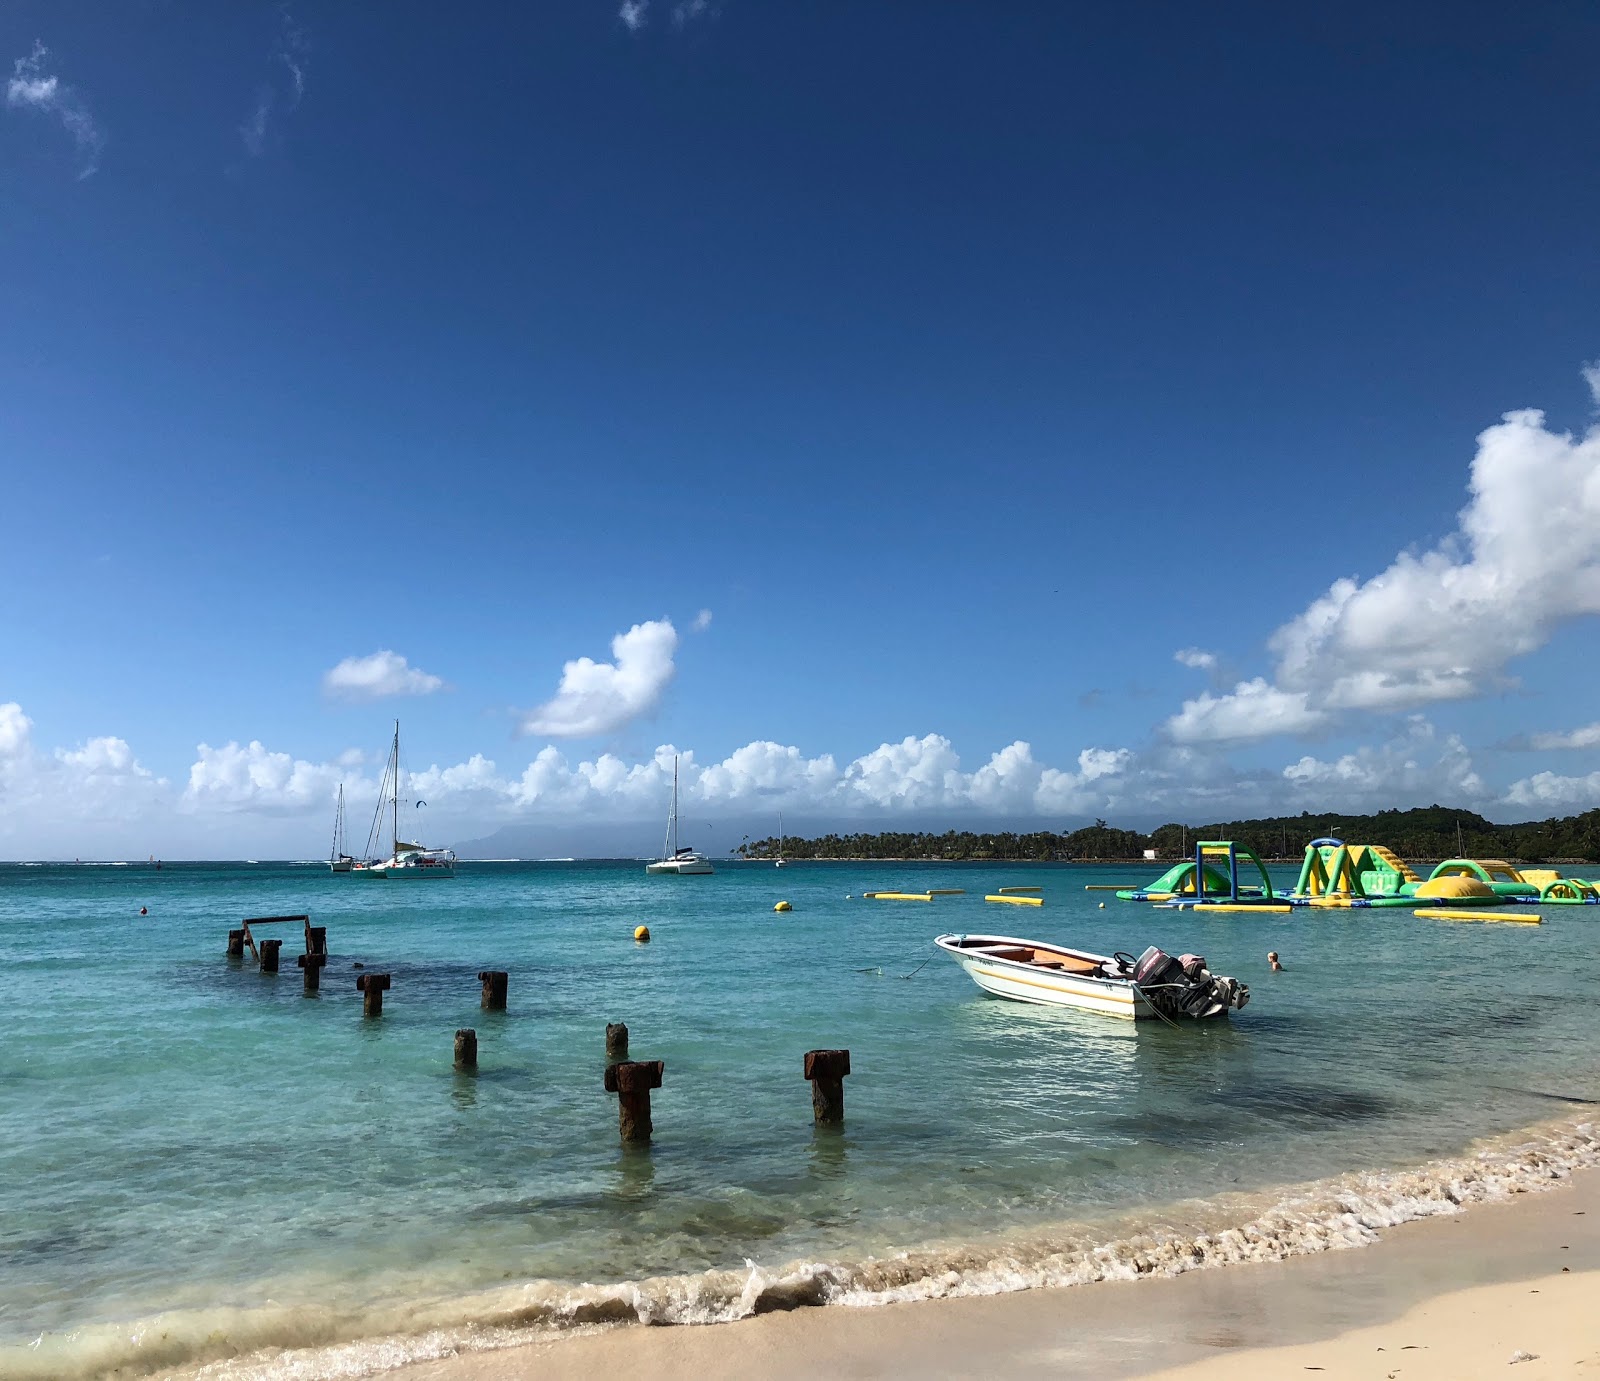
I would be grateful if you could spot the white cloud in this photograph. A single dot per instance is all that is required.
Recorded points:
(1586, 737)
(15, 729)
(597, 697)
(687, 11)
(1252, 710)
(287, 87)
(702, 621)
(31, 89)
(251, 778)
(1412, 769)
(1591, 376)
(633, 14)
(1547, 792)
(1195, 657)
(380, 674)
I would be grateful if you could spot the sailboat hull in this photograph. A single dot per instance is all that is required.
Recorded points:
(679, 865)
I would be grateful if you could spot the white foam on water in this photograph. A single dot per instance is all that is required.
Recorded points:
(280, 1343)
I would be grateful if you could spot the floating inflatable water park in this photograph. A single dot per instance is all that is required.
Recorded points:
(1336, 874)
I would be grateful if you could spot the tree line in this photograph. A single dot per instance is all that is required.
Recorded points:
(1429, 832)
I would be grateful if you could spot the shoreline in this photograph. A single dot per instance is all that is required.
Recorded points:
(1451, 1297)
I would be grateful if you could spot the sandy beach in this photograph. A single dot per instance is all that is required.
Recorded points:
(1515, 1283)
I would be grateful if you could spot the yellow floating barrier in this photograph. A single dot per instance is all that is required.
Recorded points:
(1096, 887)
(1007, 891)
(900, 896)
(1017, 901)
(1229, 906)
(1442, 915)
(948, 892)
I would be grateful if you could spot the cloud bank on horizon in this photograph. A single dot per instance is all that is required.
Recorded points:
(1442, 625)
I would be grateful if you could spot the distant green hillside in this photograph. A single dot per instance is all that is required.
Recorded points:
(1432, 832)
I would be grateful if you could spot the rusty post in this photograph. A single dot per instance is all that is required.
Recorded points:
(372, 986)
(312, 964)
(826, 1069)
(236, 944)
(616, 1042)
(269, 955)
(494, 989)
(316, 939)
(632, 1081)
(466, 1048)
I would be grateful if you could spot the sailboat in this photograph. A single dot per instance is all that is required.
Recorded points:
(780, 861)
(338, 860)
(407, 860)
(674, 859)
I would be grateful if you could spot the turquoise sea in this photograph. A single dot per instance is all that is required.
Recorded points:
(202, 1167)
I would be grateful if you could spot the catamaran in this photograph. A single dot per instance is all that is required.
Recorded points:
(407, 860)
(674, 859)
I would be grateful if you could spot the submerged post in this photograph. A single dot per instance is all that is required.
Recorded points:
(616, 1042)
(466, 1048)
(632, 1081)
(494, 989)
(236, 944)
(269, 955)
(372, 986)
(826, 1069)
(312, 964)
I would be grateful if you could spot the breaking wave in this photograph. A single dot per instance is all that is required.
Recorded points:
(307, 1343)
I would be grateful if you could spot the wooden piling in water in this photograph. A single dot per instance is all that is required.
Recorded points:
(312, 964)
(494, 989)
(616, 1042)
(269, 955)
(632, 1081)
(372, 986)
(236, 944)
(466, 1048)
(826, 1071)
(316, 939)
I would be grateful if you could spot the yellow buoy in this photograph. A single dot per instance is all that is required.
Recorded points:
(1017, 901)
(641, 933)
(783, 906)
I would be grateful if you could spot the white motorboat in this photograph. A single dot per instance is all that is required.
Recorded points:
(673, 858)
(1116, 985)
(406, 861)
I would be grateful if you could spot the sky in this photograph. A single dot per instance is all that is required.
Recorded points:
(964, 413)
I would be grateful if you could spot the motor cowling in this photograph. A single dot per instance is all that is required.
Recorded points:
(1156, 967)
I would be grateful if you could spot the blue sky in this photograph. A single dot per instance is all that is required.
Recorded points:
(916, 383)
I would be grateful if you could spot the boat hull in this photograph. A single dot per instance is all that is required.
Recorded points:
(1024, 982)
(679, 865)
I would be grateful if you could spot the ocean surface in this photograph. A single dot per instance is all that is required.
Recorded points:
(202, 1168)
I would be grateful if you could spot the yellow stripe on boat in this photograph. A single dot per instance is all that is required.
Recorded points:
(1477, 916)
(1016, 901)
(900, 896)
(1229, 906)
(1006, 891)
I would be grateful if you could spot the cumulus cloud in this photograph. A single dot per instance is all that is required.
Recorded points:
(250, 778)
(1252, 710)
(634, 14)
(15, 731)
(1195, 657)
(1414, 767)
(383, 673)
(1549, 792)
(1586, 737)
(597, 697)
(32, 88)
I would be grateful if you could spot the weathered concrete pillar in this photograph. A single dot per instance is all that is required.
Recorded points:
(269, 955)
(312, 964)
(494, 989)
(236, 944)
(372, 986)
(826, 1069)
(632, 1081)
(616, 1042)
(466, 1048)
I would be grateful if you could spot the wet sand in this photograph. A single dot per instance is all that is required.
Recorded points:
(1442, 1298)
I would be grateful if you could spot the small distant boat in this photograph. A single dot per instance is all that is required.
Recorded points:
(780, 861)
(338, 860)
(674, 859)
(407, 861)
(1116, 985)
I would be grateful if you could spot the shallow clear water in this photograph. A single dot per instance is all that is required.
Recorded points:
(180, 1132)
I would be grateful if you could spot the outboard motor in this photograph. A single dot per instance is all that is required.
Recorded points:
(1185, 985)
(1156, 968)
